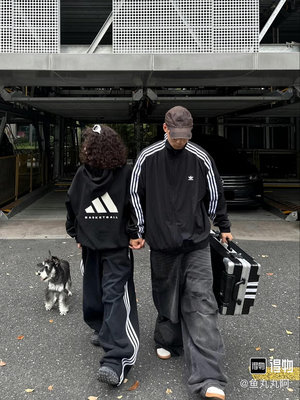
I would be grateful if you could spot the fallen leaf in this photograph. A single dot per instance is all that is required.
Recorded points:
(29, 390)
(290, 389)
(168, 391)
(119, 397)
(20, 337)
(271, 349)
(2, 363)
(50, 387)
(271, 357)
(270, 273)
(258, 348)
(92, 398)
(289, 332)
(125, 380)
(274, 305)
(50, 320)
(134, 386)
(264, 255)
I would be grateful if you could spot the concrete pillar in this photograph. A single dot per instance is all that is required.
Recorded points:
(220, 122)
(62, 143)
(206, 129)
(268, 139)
(57, 148)
(31, 133)
(42, 135)
(297, 139)
(137, 131)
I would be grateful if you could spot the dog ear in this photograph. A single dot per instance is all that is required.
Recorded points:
(56, 260)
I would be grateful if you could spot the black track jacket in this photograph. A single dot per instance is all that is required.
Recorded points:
(98, 207)
(173, 194)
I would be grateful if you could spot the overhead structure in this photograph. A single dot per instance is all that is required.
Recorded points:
(86, 59)
(235, 64)
(185, 26)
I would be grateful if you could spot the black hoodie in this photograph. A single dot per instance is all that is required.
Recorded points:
(98, 209)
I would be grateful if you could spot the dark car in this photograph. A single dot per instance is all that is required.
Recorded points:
(241, 180)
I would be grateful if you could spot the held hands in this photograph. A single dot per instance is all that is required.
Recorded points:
(226, 237)
(136, 244)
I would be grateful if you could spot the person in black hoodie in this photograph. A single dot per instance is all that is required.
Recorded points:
(98, 217)
(175, 191)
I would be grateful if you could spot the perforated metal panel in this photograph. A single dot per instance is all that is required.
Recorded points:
(236, 26)
(6, 19)
(29, 26)
(185, 26)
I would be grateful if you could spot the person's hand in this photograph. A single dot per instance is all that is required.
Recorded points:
(78, 245)
(136, 244)
(226, 237)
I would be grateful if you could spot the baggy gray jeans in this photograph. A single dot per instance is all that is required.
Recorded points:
(187, 314)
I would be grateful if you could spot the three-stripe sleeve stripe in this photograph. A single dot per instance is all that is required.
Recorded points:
(135, 181)
(210, 178)
(132, 336)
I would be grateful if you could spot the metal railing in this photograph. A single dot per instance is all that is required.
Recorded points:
(20, 174)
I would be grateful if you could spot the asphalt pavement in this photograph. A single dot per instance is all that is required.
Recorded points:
(51, 354)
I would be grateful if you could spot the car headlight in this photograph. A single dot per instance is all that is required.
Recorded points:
(253, 177)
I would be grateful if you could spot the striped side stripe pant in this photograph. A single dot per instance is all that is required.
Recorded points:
(109, 306)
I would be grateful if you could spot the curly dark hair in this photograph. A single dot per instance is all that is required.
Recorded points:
(104, 150)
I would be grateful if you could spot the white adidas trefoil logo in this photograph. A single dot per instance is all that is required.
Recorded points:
(102, 208)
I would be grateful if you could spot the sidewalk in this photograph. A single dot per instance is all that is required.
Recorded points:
(45, 219)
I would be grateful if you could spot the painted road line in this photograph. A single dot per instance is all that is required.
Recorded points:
(277, 376)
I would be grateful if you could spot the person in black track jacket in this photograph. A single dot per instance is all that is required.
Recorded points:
(175, 192)
(98, 217)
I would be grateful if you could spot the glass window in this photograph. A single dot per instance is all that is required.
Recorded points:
(256, 137)
(235, 135)
(26, 138)
(280, 137)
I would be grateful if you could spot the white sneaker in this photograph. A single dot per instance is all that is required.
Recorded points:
(214, 393)
(163, 353)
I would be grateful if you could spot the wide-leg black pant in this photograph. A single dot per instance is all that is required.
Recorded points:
(109, 306)
(187, 314)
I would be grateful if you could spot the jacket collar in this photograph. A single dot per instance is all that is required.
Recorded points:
(172, 150)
